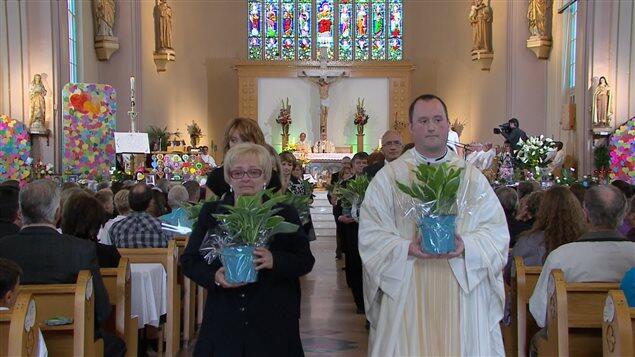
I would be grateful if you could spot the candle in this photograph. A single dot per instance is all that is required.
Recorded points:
(132, 88)
(379, 143)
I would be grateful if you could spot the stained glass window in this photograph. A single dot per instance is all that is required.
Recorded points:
(350, 30)
(72, 40)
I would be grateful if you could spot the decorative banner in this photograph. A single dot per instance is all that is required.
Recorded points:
(622, 149)
(15, 149)
(176, 166)
(89, 112)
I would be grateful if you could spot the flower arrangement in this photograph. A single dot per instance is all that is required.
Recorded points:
(458, 126)
(533, 152)
(435, 194)
(290, 147)
(284, 118)
(158, 138)
(303, 160)
(195, 133)
(361, 118)
(41, 170)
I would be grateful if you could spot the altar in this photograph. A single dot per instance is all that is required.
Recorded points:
(320, 166)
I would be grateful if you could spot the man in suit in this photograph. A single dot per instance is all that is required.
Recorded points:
(391, 147)
(49, 257)
(9, 212)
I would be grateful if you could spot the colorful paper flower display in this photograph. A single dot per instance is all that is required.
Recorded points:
(15, 149)
(89, 113)
(622, 151)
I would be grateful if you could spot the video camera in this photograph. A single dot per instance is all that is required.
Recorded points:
(503, 128)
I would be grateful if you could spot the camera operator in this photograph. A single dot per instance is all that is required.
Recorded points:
(512, 133)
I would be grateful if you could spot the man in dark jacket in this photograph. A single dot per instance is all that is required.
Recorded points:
(514, 135)
(9, 216)
(391, 147)
(49, 257)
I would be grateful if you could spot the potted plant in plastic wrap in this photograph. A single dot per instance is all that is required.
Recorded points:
(353, 194)
(246, 225)
(435, 203)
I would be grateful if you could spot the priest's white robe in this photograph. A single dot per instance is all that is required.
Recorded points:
(420, 307)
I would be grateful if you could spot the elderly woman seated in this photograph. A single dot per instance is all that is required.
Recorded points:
(261, 318)
(179, 217)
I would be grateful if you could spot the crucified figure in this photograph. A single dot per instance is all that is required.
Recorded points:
(323, 84)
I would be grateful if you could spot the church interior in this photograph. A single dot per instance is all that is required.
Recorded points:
(151, 103)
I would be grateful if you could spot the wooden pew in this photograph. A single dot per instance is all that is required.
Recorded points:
(618, 326)
(574, 317)
(19, 335)
(189, 297)
(168, 258)
(117, 283)
(524, 279)
(71, 300)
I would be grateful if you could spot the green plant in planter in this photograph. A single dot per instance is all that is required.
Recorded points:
(302, 203)
(355, 190)
(158, 135)
(436, 186)
(601, 157)
(251, 220)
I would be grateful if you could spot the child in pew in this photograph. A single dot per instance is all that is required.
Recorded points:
(9, 286)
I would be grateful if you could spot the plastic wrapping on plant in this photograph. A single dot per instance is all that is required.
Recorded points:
(355, 208)
(439, 222)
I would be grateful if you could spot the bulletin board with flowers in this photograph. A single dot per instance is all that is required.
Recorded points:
(88, 118)
(15, 150)
(622, 152)
(176, 166)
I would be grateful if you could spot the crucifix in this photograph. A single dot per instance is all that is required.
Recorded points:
(323, 78)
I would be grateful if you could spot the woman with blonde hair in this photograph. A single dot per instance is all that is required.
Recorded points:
(255, 319)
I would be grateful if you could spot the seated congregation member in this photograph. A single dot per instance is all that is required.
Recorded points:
(49, 257)
(528, 208)
(193, 190)
(628, 190)
(262, 318)
(9, 210)
(526, 187)
(579, 191)
(509, 200)
(139, 229)
(559, 220)
(239, 130)
(600, 255)
(631, 220)
(159, 204)
(122, 205)
(10, 274)
(106, 199)
(391, 146)
(350, 236)
(83, 217)
(177, 199)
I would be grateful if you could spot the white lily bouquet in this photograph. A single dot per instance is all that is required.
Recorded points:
(533, 152)
(248, 224)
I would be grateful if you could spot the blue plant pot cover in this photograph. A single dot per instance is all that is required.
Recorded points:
(437, 234)
(239, 264)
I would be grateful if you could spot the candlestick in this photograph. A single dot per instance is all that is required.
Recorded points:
(379, 143)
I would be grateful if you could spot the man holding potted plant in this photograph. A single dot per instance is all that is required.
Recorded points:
(421, 302)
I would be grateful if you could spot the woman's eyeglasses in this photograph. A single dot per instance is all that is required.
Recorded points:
(252, 173)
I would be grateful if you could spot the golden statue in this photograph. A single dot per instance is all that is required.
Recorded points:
(536, 15)
(601, 113)
(163, 25)
(481, 21)
(37, 106)
(104, 12)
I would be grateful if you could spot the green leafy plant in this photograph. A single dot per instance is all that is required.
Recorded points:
(159, 136)
(302, 203)
(250, 220)
(355, 190)
(193, 211)
(437, 186)
(601, 157)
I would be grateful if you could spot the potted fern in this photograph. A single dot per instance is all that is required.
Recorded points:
(353, 194)
(434, 192)
(248, 224)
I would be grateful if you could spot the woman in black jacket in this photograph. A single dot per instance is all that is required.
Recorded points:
(261, 318)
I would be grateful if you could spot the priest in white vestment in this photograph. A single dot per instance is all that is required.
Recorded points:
(420, 304)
